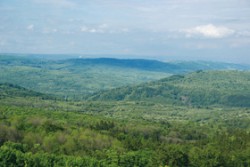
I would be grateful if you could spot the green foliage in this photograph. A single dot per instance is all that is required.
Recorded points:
(121, 134)
(208, 125)
(8, 90)
(71, 79)
(75, 78)
(175, 155)
(229, 88)
(10, 156)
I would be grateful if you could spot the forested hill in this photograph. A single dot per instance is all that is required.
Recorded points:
(75, 78)
(230, 88)
(144, 131)
(148, 65)
(8, 90)
(67, 77)
(139, 64)
(157, 66)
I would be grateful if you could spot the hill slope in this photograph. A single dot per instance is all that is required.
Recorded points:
(69, 77)
(8, 90)
(75, 78)
(37, 132)
(230, 88)
(141, 64)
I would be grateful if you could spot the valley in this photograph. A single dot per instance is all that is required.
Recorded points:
(151, 117)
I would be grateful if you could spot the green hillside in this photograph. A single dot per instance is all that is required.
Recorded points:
(12, 91)
(230, 88)
(140, 64)
(68, 79)
(189, 66)
(76, 78)
(43, 132)
(191, 119)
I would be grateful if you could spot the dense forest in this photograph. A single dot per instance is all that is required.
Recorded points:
(200, 88)
(74, 78)
(69, 78)
(198, 119)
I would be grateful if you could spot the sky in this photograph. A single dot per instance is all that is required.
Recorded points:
(213, 30)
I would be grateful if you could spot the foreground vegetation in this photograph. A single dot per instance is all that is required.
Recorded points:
(36, 132)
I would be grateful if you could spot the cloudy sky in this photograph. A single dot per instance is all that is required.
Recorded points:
(217, 30)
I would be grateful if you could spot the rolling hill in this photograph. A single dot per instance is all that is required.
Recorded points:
(195, 119)
(68, 78)
(199, 88)
(77, 78)
(8, 90)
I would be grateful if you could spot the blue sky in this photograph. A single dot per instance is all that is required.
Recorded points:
(217, 30)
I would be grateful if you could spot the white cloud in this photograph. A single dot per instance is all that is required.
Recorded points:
(90, 30)
(84, 29)
(209, 31)
(49, 30)
(96, 29)
(102, 28)
(30, 27)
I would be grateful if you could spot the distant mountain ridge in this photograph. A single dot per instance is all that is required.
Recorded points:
(77, 78)
(69, 78)
(158, 66)
(206, 65)
(142, 64)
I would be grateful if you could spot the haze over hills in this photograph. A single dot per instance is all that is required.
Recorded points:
(75, 78)
(158, 66)
(65, 78)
